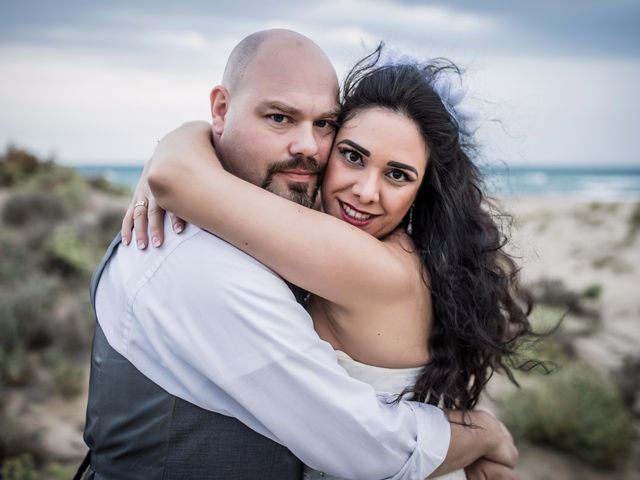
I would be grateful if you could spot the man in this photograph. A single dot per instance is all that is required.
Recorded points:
(205, 366)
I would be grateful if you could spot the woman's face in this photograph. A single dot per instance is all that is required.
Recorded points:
(376, 167)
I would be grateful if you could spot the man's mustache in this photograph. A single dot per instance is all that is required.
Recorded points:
(298, 163)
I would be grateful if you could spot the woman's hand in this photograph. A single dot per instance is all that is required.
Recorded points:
(172, 154)
(145, 216)
(483, 469)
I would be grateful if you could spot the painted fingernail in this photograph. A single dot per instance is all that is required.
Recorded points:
(141, 245)
(177, 228)
(155, 241)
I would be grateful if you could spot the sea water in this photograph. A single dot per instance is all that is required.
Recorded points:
(593, 183)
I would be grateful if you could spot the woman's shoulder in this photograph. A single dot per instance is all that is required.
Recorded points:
(401, 245)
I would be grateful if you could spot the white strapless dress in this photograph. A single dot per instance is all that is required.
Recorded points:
(390, 380)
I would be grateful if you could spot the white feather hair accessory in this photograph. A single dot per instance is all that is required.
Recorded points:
(446, 84)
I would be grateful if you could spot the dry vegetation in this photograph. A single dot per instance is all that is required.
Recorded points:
(54, 227)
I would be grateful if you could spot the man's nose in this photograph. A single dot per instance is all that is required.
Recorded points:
(367, 188)
(304, 141)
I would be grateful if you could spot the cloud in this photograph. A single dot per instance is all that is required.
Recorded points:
(87, 110)
(102, 81)
(386, 15)
(558, 111)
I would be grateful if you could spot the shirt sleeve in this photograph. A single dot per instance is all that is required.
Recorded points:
(220, 330)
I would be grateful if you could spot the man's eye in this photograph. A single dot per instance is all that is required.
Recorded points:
(325, 124)
(278, 117)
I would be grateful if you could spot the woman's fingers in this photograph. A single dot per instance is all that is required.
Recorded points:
(127, 226)
(177, 223)
(146, 219)
(140, 223)
(156, 223)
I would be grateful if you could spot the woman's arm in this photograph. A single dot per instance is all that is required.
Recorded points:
(317, 252)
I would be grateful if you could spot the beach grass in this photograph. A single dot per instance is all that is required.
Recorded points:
(574, 410)
(52, 235)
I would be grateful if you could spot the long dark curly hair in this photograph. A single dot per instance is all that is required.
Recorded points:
(480, 311)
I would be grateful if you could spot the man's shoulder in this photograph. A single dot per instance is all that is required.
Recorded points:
(198, 248)
(193, 257)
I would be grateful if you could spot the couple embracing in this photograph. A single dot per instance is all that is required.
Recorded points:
(268, 339)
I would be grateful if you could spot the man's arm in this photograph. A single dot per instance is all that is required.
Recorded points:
(216, 328)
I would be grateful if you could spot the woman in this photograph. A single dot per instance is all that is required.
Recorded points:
(410, 283)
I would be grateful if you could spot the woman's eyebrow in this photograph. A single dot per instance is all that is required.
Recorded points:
(353, 144)
(404, 166)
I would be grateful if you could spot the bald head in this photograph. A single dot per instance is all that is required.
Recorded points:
(268, 48)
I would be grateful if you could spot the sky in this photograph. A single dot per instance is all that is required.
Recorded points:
(88, 82)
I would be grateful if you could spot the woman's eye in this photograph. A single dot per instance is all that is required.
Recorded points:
(352, 156)
(398, 175)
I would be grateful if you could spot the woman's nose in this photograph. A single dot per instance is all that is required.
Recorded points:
(367, 189)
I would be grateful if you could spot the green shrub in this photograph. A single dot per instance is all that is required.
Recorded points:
(62, 182)
(545, 318)
(16, 440)
(17, 164)
(628, 379)
(576, 411)
(593, 291)
(13, 365)
(34, 237)
(73, 191)
(75, 331)
(14, 261)
(634, 222)
(543, 354)
(67, 374)
(554, 292)
(23, 208)
(23, 468)
(70, 254)
(25, 322)
(102, 184)
(26, 311)
(69, 379)
(19, 468)
(109, 224)
(55, 471)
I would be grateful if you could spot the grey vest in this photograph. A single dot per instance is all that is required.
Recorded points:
(137, 430)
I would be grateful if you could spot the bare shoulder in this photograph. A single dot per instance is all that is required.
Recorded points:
(404, 251)
(390, 330)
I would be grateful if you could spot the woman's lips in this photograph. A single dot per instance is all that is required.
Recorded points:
(353, 216)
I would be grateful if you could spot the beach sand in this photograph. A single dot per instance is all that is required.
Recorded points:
(581, 244)
(586, 244)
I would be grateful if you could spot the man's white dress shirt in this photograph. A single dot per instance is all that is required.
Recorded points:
(215, 327)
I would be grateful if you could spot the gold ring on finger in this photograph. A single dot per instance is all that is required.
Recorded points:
(141, 203)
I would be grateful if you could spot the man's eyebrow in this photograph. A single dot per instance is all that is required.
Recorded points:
(403, 166)
(293, 111)
(277, 105)
(353, 144)
(332, 114)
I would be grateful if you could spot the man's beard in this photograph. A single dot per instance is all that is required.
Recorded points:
(297, 191)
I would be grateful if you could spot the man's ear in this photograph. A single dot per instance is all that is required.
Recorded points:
(219, 107)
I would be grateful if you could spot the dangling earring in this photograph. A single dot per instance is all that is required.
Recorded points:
(410, 224)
